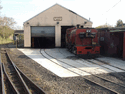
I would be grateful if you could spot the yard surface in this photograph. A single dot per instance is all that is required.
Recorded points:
(69, 75)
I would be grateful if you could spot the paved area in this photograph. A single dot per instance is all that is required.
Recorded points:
(36, 56)
(64, 64)
(114, 61)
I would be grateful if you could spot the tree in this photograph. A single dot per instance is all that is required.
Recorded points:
(5, 32)
(8, 34)
(6, 27)
(7, 21)
(104, 26)
(119, 23)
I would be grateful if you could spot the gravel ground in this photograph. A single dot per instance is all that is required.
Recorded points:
(51, 83)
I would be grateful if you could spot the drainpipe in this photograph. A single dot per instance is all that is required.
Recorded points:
(123, 45)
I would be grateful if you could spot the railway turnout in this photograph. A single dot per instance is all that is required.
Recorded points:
(14, 81)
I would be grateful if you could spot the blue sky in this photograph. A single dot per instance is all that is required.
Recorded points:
(96, 10)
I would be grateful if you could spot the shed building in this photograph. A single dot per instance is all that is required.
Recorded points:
(17, 32)
(112, 42)
(48, 28)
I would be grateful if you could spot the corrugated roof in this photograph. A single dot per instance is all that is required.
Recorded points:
(114, 29)
(117, 30)
(18, 31)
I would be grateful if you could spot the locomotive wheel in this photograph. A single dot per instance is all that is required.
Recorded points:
(70, 49)
(74, 50)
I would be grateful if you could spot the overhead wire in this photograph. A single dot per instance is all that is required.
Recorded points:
(110, 9)
(113, 6)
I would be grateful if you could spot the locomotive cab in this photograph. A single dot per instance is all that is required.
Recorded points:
(82, 35)
(86, 34)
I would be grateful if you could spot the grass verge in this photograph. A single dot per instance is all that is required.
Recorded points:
(5, 41)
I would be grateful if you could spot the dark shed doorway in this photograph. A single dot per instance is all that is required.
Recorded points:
(42, 42)
(63, 33)
(43, 37)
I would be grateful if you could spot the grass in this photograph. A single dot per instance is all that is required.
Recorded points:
(4, 41)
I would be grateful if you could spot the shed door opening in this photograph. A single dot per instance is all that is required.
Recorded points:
(63, 33)
(43, 37)
(119, 42)
(42, 42)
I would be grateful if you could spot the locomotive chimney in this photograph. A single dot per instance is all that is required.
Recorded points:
(78, 25)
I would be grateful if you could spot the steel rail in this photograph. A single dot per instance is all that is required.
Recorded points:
(2, 80)
(109, 65)
(3, 73)
(88, 60)
(99, 76)
(122, 85)
(38, 90)
(10, 80)
(25, 88)
(103, 77)
(106, 67)
(58, 64)
(113, 91)
(13, 90)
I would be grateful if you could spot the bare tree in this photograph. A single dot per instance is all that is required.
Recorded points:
(119, 23)
(6, 27)
(104, 26)
(7, 21)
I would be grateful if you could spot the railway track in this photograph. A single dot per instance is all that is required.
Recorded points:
(7, 87)
(14, 80)
(101, 63)
(114, 87)
(121, 76)
(109, 64)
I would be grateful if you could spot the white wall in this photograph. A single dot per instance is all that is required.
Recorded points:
(46, 19)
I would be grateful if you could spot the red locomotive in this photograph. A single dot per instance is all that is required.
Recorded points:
(83, 42)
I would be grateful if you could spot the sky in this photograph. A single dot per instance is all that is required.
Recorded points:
(100, 12)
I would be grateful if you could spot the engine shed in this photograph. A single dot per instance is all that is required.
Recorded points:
(48, 28)
(112, 42)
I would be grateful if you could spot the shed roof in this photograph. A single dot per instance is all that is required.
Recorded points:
(61, 6)
(114, 29)
(18, 31)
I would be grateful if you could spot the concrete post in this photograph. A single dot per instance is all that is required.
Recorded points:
(27, 36)
(57, 35)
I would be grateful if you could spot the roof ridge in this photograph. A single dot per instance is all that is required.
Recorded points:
(41, 12)
(62, 7)
(73, 12)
